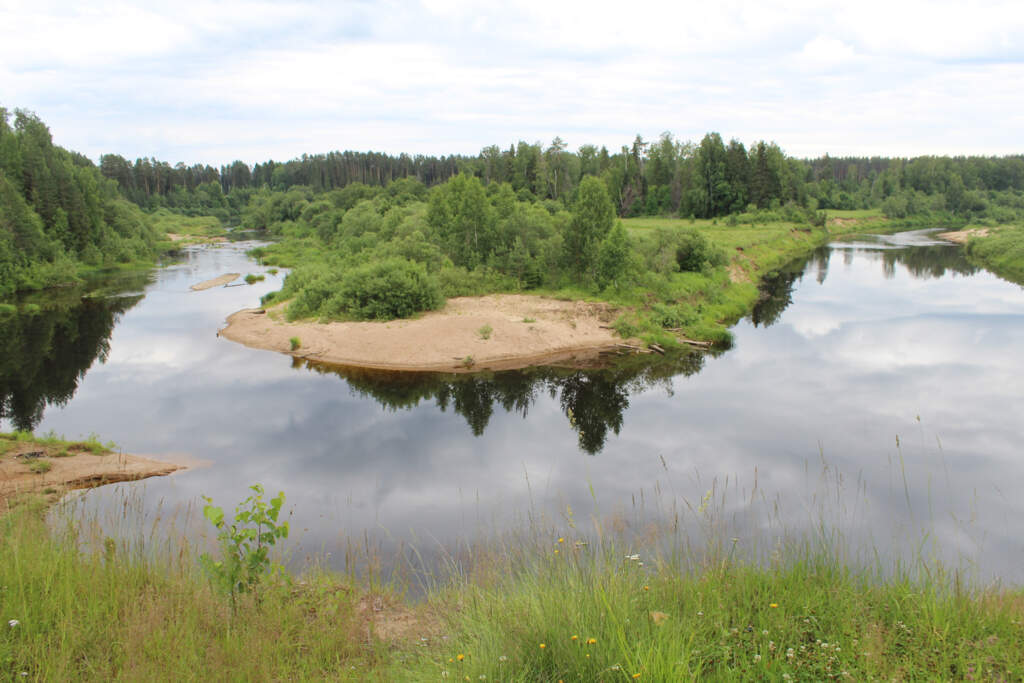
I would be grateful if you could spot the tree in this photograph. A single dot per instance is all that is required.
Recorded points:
(592, 218)
(613, 256)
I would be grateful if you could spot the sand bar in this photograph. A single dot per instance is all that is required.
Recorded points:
(216, 282)
(525, 331)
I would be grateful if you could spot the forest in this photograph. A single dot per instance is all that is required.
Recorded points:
(58, 213)
(374, 236)
(666, 177)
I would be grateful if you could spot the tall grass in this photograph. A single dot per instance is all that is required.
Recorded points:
(720, 587)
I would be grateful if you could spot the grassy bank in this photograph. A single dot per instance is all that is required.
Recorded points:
(1001, 251)
(533, 608)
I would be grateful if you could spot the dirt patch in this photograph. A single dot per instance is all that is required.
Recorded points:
(216, 282)
(524, 331)
(75, 471)
(961, 236)
(391, 621)
(843, 222)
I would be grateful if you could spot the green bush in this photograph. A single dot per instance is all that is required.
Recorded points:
(383, 290)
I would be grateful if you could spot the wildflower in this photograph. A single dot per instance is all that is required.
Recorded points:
(444, 674)
(460, 657)
(636, 675)
(556, 551)
(542, 646)
(773, 605)
(503, 658)
(633, 558)
(450, 660)
(561, 540)
(591, 641)
(764, 632)
(787, 677)
(700, 614)
(647, 588)
(13, 622)
(575, 638)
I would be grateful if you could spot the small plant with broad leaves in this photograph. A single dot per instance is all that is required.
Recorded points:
(245, 542)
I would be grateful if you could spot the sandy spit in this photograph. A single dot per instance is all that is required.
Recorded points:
(961, 236)
(77, 471)
(216, 282)
(525, 331)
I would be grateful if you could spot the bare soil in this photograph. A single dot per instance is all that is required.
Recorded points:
(524, 331)
(79, 470)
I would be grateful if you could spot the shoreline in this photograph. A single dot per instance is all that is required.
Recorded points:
(524, 331)
(79, 470)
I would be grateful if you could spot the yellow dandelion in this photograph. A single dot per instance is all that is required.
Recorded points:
(575, 638)
(556, 551)
(636, 675)
(542, 646)
(460, 657)
(591, 641)
(561, 540)
(774, 605)
(647, 588)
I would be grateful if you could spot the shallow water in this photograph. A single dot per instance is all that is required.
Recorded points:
(874, 391)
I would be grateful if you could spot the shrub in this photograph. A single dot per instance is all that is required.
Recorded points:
(295, 342)
(485, 331)
(383, 290)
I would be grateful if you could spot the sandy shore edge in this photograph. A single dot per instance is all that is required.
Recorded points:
(961, 236)
(523, 331)
(78, 471)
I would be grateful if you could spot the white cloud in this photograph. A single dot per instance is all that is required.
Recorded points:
(209, 83)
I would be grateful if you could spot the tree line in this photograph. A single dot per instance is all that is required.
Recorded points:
(708, 179)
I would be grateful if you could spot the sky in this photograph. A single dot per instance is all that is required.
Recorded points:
(204, 82)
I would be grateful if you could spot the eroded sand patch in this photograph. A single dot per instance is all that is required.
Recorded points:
(524, 330)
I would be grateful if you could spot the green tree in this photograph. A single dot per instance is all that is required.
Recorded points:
(592, 218)
(613, 258)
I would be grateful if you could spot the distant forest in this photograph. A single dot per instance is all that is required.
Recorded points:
(667, 177)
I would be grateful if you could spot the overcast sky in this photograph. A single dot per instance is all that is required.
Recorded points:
(213, 82)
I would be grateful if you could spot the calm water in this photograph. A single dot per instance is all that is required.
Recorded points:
(875, 390)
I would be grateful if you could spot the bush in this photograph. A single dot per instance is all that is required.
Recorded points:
(383, 290)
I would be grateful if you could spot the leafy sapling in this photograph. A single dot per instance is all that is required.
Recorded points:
(245, 543)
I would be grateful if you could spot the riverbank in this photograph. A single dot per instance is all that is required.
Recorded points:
(50, 467)
(999, 249)
(138, 612)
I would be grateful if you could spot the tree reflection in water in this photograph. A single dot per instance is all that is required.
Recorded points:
(593, 401)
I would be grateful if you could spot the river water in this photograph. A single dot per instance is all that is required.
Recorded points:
(872, 400)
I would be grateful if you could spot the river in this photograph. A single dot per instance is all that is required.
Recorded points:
(871, 401)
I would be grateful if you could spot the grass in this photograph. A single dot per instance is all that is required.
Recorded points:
(532, 605)
(40, 467)
(295, 343)
(251, 279)
(199, 228)
(53, 445)
(1001, 251)
(485, 331)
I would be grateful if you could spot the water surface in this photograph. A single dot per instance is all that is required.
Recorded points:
(874, 390)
